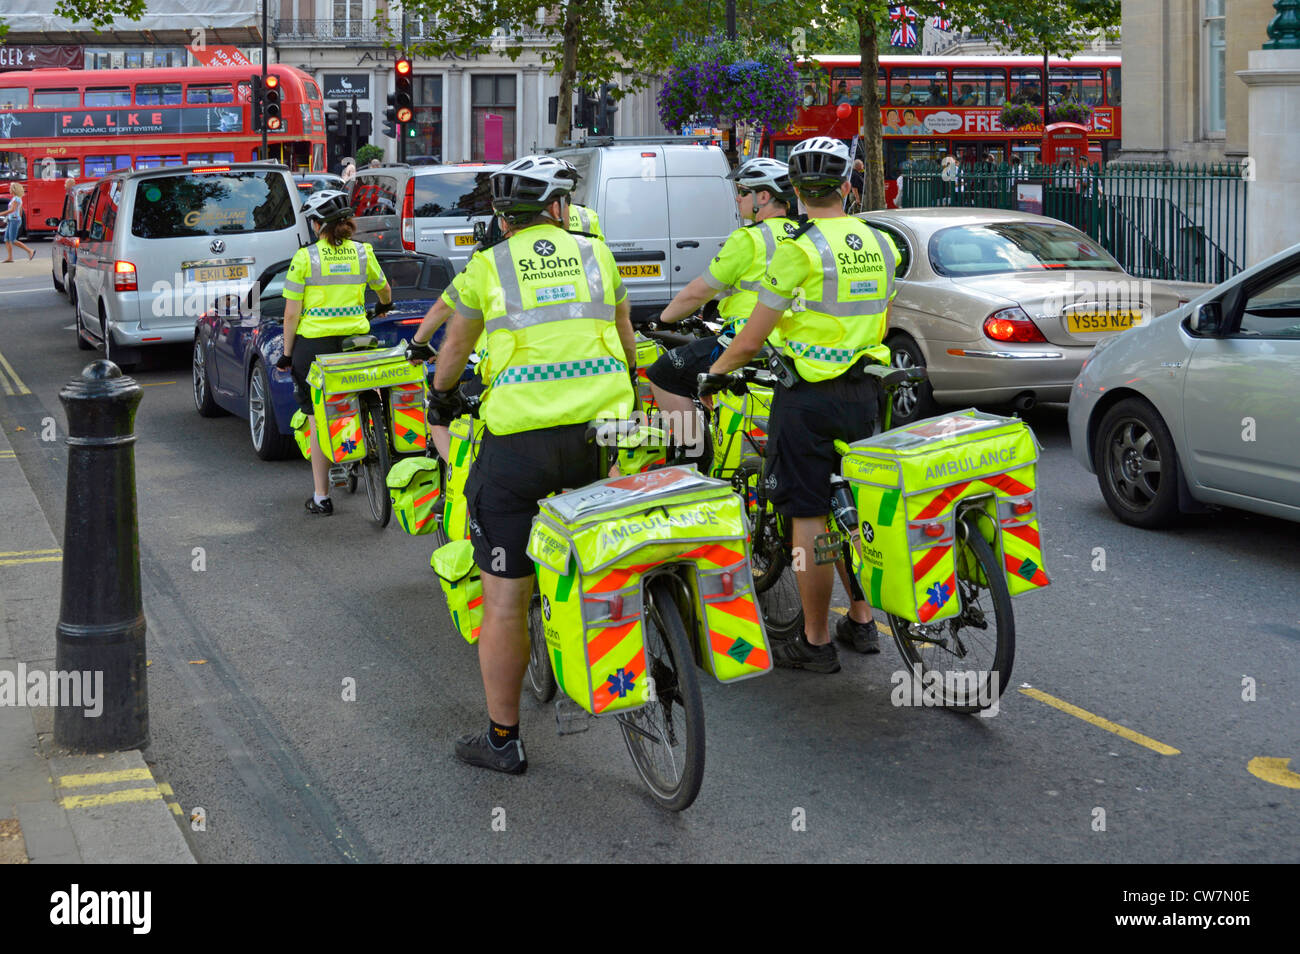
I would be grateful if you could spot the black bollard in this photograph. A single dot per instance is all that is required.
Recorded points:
(101, 619)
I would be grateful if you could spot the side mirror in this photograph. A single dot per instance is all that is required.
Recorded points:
(1207, 320)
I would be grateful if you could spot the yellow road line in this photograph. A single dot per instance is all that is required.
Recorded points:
(17, 381)
(1099, 722)
(23, 553)
(154, 384)
(123, 797)
(105, 778)
(1273, 770)
(170, 798)
(53, 559)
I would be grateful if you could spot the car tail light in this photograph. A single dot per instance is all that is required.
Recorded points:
(408, 217)
(199, 169)
(76, 242)
(1012, 324)
(124, 277)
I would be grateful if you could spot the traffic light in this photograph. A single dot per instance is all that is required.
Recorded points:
(336, 120)
(390, 124)
(403, 81)
(606, 110)
(258, 94)
(590, 112)
(271, 103)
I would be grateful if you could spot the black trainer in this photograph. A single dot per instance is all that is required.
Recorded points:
(477, 750)
(325, 508)
(864, 637)
(798, 653)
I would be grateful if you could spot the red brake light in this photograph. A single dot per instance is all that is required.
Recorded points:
(1012, 324)
(198, 169)
(124, 277)
(408, 217)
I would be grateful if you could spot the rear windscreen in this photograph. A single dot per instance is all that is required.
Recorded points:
(229, 203)
(453, 193)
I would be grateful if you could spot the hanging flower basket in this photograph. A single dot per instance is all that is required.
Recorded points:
(1070, 112)
(1020, 115)
(725, 82)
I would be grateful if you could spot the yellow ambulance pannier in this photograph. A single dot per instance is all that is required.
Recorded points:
(466, 438)
(335, 379)
(462, 584)
(415, 488)
(594, 546)
(907, 484)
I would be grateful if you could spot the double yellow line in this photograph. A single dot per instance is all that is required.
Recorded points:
(15, 557)
(123, 796)
(10, 383)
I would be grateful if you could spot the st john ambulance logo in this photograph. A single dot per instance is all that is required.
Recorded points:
(853, 241)
(543, 247)
(790, 228)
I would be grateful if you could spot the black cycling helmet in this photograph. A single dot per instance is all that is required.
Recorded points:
(326, 206)
(528, 185)
(818, 165)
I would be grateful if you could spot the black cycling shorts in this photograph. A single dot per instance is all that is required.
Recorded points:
(676, 371)
(510, 475)
(304, 353)
(805, 422)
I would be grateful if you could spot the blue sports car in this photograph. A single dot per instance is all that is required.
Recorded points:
(237, 344)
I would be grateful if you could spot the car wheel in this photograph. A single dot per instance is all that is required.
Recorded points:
(1137, 465)
(203, 401)
(268, 442)
(82, 343)
(910, 403)
(58, 285)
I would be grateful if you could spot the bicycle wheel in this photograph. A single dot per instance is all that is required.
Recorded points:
(375, 465)
(541, 677)
(971, 654)
(666, 737)
(769, 534)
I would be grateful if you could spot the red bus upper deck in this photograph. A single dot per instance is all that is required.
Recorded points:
(934, 105)
(58, 124)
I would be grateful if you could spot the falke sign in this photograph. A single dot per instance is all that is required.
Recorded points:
(84, 123)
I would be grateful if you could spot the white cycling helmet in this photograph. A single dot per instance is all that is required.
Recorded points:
(326, 206)
(764, 173)
(528, 185)
(818, 165)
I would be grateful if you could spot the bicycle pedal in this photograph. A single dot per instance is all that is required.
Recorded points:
(827, 547)
(571, 718)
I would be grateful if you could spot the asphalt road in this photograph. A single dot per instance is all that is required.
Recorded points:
(250, 653)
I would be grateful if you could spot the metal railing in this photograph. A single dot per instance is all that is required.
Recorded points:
(326, 30)
(1179, 222)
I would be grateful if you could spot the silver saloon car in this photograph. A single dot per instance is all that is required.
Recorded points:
(1002, 307)
(1201, 405)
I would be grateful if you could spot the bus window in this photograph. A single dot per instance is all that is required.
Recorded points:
(898, 151)
(1026, 150)
(57, 97)
(846, 85)
(982, 87)
(1027, 86)
(209, 158)
(17, 98)
(1112, 86)
(157, 162)
(158, 94)
(98, 166)
(220, 93)
(13, 165)
(918, 87)
(101, 96)
(50, 167)
(1075, 85)
(313, 91)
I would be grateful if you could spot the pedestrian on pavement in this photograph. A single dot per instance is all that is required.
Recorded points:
(374, 163)
(14, 224)
(349, 168)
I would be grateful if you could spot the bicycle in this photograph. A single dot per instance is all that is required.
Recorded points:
(985, 599)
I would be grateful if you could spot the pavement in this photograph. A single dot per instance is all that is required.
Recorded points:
(56, 806)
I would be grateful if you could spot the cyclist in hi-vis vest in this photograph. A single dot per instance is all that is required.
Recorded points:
(585, 220)
(325, 302)
(836, 277)
(559, 352)
(766, 197)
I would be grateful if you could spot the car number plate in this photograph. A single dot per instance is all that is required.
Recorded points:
(464, 239)
(1099, 321)
(641, 270)
(217, 270)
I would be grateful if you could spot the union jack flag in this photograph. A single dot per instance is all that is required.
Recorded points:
(941, 22)
(905, 33)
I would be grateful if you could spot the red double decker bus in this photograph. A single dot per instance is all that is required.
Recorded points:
(58, 124)
(931, 106)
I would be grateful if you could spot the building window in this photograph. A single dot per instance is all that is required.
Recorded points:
(492, 94)
(1215, 72)
(427, 140)
(348, 20)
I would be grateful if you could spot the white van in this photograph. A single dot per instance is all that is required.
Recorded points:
(158, 247)
(665, 207)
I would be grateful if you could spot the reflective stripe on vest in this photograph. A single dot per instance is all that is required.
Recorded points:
(561, 370)
(518, 316)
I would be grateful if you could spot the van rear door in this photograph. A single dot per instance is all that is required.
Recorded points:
(634, 217)
(702, 210)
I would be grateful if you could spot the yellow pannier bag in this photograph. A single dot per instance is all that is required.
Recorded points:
(299, 424)
(648, 351)
(593, 548)
(462, 585)
(740, 424)
(466, 438)
(335, 379)
(406, 418)
(415, 488)
(907, 483)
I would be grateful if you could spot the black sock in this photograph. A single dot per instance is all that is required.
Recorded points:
(502, 735)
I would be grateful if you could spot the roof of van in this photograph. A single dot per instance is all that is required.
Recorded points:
(204, 167)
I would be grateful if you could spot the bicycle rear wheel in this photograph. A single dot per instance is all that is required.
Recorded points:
(968, 658)
(666, 737)
(541, 676)
(769, 534)
(377, 461)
